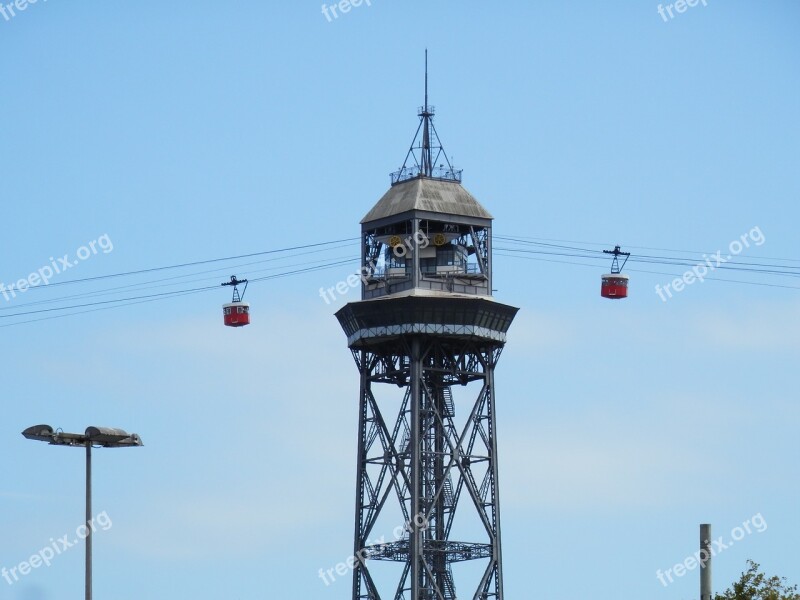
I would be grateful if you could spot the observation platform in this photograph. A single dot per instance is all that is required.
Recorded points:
(371, 323)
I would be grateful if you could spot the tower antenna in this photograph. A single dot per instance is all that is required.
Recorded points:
(426, 151)
(426, 79)
(426, 114)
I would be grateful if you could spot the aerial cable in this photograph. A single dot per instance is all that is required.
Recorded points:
(145, 285)
(164, 295)
(195, 263)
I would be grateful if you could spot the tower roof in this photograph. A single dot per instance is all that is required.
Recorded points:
(429, 195)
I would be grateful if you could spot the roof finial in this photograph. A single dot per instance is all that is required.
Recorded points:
(426, 168)
(426, 80)
(423, 153)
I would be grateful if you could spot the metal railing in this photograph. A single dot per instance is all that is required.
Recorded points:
(440, 172)
(399, 272)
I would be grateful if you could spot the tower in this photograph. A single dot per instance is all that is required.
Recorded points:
(426, 336)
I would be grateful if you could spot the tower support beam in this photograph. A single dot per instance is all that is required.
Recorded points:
(415, 540)
(416, 456)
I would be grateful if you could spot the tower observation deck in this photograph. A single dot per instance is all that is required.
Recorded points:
(426, 337)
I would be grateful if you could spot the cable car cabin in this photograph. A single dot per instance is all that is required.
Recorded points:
(236, 314)
(614, 286)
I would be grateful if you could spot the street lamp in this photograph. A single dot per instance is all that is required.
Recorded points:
(103, 437)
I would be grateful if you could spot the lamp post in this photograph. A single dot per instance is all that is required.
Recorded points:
(104, 437)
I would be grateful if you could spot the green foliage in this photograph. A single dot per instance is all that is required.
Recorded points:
(754, 585)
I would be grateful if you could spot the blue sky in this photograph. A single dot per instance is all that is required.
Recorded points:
(191, 131)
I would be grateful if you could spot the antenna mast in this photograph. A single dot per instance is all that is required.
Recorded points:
(426, 150)
(427, 166)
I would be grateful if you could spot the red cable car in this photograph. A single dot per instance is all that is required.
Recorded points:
(236, 313)
(615, 284)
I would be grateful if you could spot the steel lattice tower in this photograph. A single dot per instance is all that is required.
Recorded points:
(427, 324)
